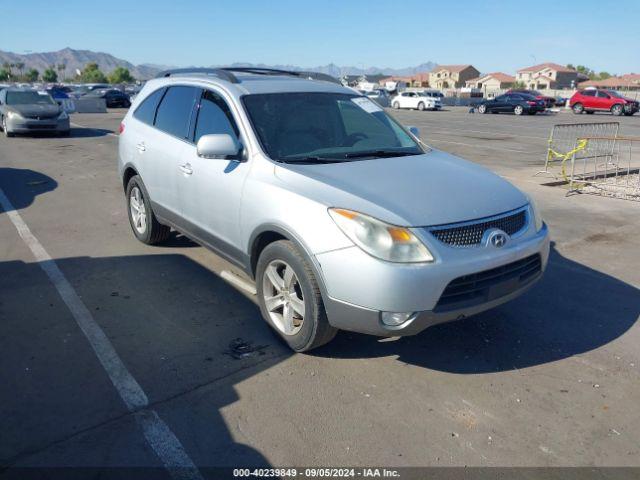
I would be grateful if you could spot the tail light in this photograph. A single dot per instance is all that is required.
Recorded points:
(531, 102)
(121, 129)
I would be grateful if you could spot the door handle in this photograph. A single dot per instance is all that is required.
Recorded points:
(141, 147)
(186, 169)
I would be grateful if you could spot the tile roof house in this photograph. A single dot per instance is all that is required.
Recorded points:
(451, 76)
(547, 75)
(492, 81)
(629, 81)
(417, 80)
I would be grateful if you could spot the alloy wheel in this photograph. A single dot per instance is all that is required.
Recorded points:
(138, 210)
(282, 295)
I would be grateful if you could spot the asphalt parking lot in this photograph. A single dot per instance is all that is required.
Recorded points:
(550, 379)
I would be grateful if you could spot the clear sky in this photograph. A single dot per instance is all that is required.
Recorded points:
(492, 35)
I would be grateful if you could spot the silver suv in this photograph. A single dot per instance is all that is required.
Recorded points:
(343, 218)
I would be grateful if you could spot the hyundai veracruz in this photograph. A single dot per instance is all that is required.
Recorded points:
(344, 218)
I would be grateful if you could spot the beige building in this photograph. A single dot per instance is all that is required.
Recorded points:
(547, 75)
(492, 81)
(417, 80)
(451, 76)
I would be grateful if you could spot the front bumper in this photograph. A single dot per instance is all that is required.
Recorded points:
(28, 125)
(359, 287)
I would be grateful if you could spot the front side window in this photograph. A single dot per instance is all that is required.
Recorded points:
(310, 127)
(214, 116)
(29, 98)
(602, 94)
(146, 112)
(174, 112)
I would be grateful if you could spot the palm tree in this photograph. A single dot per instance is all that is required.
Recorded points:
(7, 67)
(62, 68)
(20, 67)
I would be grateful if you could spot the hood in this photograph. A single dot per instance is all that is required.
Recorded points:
(420, 190)
(36, 110)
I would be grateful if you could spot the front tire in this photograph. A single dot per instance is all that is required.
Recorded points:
(290, 299)
(578, 108)
(5, 129)
(396, 105)
(617, 110)
(144, 224)
(482, 109)
(421, 106)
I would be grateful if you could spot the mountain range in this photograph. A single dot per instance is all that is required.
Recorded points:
(77, 59)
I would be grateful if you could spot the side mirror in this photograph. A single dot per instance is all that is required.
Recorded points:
(414, 131)
(218, 145)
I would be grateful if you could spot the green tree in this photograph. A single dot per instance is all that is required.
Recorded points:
(32, 75)
(50, 75)
(4, 74)
(604, 75)
(92, 74)
(519, 84)
(7, 66)
(120, 75)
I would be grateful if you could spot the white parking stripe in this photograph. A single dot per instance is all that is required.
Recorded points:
(157, 433)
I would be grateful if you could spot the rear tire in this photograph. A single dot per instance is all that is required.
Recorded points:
(578, 108)
(304, 332)
(617, 110)
(145, 225)
(518, 110)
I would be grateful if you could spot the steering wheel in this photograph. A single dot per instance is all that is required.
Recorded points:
(354, 138)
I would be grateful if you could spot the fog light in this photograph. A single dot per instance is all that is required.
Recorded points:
(393, 319)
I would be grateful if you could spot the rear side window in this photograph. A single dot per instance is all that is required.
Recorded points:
(146, 112)
(589, 93)
(174, 112)
(214, 116)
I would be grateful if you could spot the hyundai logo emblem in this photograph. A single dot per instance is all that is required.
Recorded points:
(498, 238)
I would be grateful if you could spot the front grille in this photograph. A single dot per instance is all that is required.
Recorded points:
(40, 127)
(42, 117)
(483, 287)
(470, 234)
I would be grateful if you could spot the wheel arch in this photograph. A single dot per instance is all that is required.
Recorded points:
(127, 172)
(268, 233)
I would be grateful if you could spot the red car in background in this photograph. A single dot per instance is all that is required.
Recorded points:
(548, 101)
(594, 99)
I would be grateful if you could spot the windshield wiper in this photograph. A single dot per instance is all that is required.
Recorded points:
(379, 154)
(312, 160)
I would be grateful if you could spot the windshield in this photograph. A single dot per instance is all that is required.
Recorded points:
(29, 98)
(615, 94)
(310, 127)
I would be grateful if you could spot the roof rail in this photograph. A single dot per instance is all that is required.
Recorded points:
(275, 71)
(222, 73)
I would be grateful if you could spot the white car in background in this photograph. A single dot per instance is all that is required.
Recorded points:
(417, 100)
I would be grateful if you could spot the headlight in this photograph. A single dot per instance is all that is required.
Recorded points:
(63, 116)
(379, 239)
(535, 211)
(13, 115)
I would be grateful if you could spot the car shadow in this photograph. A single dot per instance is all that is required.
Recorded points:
(187, 336)
(86, 132)
(572, 310)
(22, 186)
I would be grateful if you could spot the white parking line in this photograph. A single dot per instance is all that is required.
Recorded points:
(157, 433)
(525, 152)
